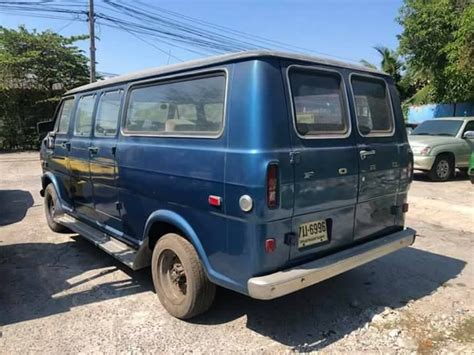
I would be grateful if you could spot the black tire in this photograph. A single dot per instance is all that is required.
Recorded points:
(464, 171)
(442, 169)
(179, 278)
(51, 203)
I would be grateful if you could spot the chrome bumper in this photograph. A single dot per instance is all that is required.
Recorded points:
(422, 162)
(294, 279)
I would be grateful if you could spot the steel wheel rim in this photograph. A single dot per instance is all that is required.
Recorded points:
(172, 276)
(442, 169)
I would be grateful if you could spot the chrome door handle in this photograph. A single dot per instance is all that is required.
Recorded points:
(93, 150)
(365, 153)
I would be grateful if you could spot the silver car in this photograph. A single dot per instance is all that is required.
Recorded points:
(441, 145)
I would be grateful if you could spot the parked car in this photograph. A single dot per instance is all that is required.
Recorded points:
(410, 127)
(258, 171)
(471, 168)
(441, 145)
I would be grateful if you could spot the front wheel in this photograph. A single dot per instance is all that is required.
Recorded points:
(442, 168)
(179, 278)
(51, 206)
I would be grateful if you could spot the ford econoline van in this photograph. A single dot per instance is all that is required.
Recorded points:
(260, 172)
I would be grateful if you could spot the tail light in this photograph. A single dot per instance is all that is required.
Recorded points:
(272, 185)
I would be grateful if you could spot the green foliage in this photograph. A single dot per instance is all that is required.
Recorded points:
(36, 68)
(438, 44)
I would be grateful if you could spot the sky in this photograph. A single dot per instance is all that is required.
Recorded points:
(342, 29)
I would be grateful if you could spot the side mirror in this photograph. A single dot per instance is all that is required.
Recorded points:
(44, 127)
(468, 135)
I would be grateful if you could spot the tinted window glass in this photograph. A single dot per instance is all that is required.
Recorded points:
(318, 102)
(177, 108)
(85, 108)
(65, 116)
(107, 115)
(469, 126)
(438, 128)
(372, 106)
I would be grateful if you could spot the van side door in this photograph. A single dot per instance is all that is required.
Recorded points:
(103, 164)
(324, 160)
(58, 162)
(380, 148)
(81, 186)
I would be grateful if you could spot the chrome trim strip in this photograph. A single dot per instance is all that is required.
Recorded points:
(392, 112)
(344, 97)
(287, 281)
(176, 78)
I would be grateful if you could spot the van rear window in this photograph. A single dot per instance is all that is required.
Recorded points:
(193, 107)
(373, 110)
(318, 103)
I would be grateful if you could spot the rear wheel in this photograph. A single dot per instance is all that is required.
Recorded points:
(442, 168)
(51, 205)
(179, 278)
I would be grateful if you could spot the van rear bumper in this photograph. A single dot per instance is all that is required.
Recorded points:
(287, 281)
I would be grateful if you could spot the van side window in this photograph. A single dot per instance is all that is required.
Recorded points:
(178, 108)
(372, 106)
(65, 116)
(318, 103)
(108, 110)
(84, 111)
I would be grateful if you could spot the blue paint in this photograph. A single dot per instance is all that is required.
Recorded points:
(418, 114)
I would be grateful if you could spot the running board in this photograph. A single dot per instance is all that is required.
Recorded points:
(109, 244)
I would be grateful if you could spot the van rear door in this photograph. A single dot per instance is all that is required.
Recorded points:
(378, 156)
(324, 160)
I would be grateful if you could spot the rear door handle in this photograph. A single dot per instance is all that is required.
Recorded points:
(93, 150)
(365, 153)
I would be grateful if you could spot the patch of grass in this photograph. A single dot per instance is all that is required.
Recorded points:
(465, 331)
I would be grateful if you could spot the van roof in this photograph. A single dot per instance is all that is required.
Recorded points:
(221, 59)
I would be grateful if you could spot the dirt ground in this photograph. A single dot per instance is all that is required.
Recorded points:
(60, 294)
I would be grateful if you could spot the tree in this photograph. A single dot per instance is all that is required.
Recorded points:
(35, 70)
(438, 44)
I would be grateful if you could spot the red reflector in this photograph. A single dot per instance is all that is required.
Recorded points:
(405, 208)
(270, 245)
(272, 185)
(214, 200)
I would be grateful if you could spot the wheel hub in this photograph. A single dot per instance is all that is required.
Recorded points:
(442, 169)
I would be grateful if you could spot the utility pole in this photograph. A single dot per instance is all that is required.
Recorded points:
(92, 40)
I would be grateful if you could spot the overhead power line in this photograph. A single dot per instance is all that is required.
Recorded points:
(155, 25)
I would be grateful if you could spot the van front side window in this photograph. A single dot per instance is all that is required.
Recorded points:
(85, 109)
(190, 107)
(318, 103)
(372, 103)
(65, 116)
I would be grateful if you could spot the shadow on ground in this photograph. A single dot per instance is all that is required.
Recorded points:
(35, 276)
(313, 318)
(13, 205)
(422, 176)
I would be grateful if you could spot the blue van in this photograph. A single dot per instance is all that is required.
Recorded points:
(261, 172)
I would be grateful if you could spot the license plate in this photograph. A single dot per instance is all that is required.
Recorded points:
(312, 233)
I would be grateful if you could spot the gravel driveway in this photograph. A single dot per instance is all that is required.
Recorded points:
(60, 294)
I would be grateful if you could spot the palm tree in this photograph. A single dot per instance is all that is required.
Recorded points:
(390, 63)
